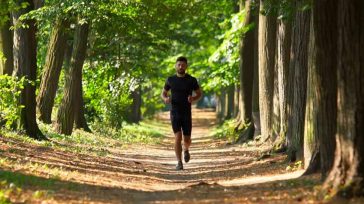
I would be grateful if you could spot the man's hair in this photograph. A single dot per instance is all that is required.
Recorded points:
(182, 59)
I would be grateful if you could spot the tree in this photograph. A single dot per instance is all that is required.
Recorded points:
(311, 138)
(246, 67)
(135, 113)
(347, 174)
(25, 58)
(300, 59)
(6, 47)
(283, 61)
(325, 30)
(66, 111)
(52, 70)
(266, 46)
(80, 119)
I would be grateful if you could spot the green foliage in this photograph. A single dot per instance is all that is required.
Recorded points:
(10, 89)
(106, 94)
(7, 6)
(226, 131)
(295, 166)
(141, 133)
(144, 132)
(6, 190)
(224, 62)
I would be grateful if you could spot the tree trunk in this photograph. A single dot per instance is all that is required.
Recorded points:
(246, 67)
(66, 111)
(276, 109)
(347, 174)
(80, 120)
(301, 29)
(284, 45)
(325, 29)
(255, 95)
(311, 140)
(135, 114)
(52, 70)
(236, 101)
(229, 102)
(25, 65)
(220, 106)
(267, 43)
(6, 47)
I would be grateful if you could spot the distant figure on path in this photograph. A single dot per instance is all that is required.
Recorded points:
(182, 86)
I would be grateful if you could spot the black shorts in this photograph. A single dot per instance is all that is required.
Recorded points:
(181, 121)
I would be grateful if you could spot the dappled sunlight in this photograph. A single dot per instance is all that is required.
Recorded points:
(141, 169)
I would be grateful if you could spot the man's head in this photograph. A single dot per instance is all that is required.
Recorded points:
(181, 65)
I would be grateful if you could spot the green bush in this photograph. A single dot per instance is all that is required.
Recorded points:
(10, 89)
(226, 131)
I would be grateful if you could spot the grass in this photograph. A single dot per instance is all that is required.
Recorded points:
(97, 143)
(23, 188)
(16, 186)
(226, 131)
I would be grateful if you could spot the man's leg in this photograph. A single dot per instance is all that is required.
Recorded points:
(178, 149)
(186, 142)
(186, 145)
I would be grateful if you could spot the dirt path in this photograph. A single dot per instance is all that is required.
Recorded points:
(146, 173)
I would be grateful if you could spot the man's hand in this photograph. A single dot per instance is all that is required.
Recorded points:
(198, 95)
(165, 97)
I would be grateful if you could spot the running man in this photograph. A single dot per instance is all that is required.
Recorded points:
(181, 85)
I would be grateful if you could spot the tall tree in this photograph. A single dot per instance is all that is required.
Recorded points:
(236, 100)
(80, 119)
(284, 45)
(266, 46)
(300, 60)
(6, 48)
(347, 175)
(25, 65)
(246, 67)
(311, 139)
(52, 70)
(135, 113)
(325, 30)
(66, 111)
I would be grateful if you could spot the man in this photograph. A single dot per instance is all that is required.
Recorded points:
(181, 85)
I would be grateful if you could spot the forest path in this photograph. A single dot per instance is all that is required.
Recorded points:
(146, 173)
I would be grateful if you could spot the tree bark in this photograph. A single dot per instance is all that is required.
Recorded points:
(347, 175)
(311, 140)
(66, 111)
(266, 46)
(6, 47)
(255, 100)
(80, 119)
(25, 65)
(236, 101)
(229, 102)
(300, 44)
(52, 70)
(284, 45)
(325, 30)
(276, 109)
(135, 113)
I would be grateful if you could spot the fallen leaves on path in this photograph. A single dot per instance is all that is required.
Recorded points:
(145, 173)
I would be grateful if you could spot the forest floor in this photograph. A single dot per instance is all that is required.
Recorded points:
(216, 173)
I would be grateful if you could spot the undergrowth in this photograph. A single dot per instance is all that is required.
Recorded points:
(226, 131)
(97, 142)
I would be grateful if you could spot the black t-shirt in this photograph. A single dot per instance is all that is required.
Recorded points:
(181, 88)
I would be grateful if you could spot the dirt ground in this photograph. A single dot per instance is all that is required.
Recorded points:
(217, 173)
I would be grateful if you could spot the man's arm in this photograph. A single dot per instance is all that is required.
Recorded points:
(197, 97)
(165, 96)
